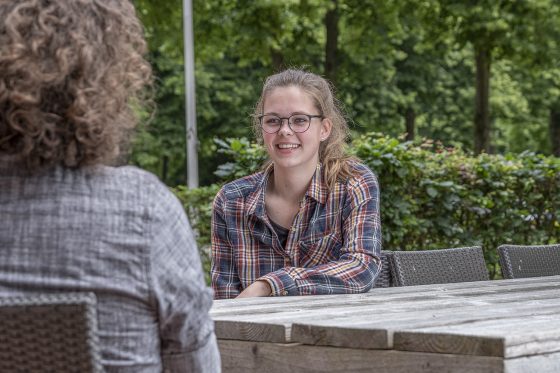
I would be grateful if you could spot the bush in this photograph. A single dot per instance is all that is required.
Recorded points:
(198, 206)
(432, 197)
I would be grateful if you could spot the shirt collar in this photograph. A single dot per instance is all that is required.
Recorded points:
(255, 200)
(317, 190)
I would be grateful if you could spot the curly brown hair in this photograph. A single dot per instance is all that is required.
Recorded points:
(72, 77)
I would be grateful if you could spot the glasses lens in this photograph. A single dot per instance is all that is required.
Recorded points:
(299, 122)
(271, 123)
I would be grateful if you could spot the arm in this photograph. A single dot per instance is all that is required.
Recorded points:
(225, 279)
(256, 289)
(188, 343)
(357, 267)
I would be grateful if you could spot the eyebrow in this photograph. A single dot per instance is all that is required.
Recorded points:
(292, 113)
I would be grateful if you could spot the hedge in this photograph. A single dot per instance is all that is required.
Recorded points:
(431, 197)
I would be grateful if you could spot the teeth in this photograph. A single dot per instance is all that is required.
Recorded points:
(288, 146)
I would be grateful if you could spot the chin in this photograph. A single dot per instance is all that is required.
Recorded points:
(290, 163)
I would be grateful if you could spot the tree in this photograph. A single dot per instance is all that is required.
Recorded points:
(407, 66)
(160, 142)
(331, 45)
(496, 29)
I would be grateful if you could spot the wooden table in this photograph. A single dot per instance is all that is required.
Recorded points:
(488, 326)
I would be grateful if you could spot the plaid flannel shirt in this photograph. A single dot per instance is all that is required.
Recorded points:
(333, 246)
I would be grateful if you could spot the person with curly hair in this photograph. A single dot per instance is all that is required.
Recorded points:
(309, 223)
(73, 76)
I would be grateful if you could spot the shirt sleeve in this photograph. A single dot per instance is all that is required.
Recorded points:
(225, 278)
(183, 301)
(359, 263)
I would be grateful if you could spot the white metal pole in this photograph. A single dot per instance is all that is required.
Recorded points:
(190, 98)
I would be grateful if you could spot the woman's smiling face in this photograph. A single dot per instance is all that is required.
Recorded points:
(286, 148)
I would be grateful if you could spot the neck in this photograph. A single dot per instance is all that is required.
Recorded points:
(292, 183)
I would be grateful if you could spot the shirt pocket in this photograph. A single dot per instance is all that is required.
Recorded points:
(316, 250)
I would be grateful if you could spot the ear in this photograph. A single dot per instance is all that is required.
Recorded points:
(326, 127)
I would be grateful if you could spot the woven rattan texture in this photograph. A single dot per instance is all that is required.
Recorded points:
(49, 333)
(529, 261)
(384, 279)
(439, 266)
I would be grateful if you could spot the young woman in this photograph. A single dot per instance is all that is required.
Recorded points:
(309, 223)
(71, 74)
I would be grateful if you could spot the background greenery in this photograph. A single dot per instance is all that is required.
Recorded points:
(481, 79)
(431, 196)
(483, 75)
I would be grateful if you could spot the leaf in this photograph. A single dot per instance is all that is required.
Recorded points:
(432, 192)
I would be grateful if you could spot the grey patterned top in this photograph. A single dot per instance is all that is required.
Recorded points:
(118, 232)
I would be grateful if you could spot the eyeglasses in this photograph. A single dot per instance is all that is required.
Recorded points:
(297, 122)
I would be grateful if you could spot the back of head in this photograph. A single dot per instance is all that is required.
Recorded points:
(71, 72)
(332, 151)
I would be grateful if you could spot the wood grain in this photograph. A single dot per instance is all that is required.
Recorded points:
(509, 326)
(243, 357)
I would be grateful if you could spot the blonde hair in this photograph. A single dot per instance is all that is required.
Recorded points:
(333, 151)
(70, 73)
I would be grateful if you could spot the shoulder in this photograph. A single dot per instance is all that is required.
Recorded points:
(362, 176)
(362, 187)
(129, 175)
(241, 188)
(130, 183)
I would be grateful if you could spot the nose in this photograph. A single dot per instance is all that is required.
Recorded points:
(285, 129)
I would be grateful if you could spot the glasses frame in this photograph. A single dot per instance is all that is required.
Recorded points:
(289, 121)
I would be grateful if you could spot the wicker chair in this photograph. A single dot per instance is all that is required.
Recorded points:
(529, 261)
(385, 277)
(49, 333)
(439, 266)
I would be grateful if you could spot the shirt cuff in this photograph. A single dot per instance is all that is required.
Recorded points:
(281, 283)
(204, 359)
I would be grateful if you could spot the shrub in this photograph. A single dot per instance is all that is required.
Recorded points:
(198, 206)
(431, 197)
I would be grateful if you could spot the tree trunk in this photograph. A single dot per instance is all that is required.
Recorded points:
(482, 112)
(164, 168)
(410, 121)
(331, 46)
(554, 128)
(277, 60)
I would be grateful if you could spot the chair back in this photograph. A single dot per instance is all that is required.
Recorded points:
(519, 261)
(49, 333)
(439, 266)
(385, 277)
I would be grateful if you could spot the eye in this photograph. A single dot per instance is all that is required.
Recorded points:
(299, 120)
(271, 120)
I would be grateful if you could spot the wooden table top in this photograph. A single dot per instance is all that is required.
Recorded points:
(500, 318)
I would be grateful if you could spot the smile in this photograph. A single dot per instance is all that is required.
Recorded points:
(288, 146)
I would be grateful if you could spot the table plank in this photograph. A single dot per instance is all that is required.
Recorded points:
(546, 363)
(509, 326)
(243, 357)
(258, 305)
(374, 305)
(361, 330)
(515, 337)
(363, 333)
(250, 331)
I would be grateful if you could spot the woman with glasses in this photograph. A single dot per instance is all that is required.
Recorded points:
(308, 223)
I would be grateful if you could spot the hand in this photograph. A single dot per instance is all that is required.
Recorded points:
(256, 289)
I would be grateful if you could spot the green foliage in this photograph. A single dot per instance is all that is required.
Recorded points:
(392, 57)
(198, 206)
(159, 145)
(434, 197)
(247, 158)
